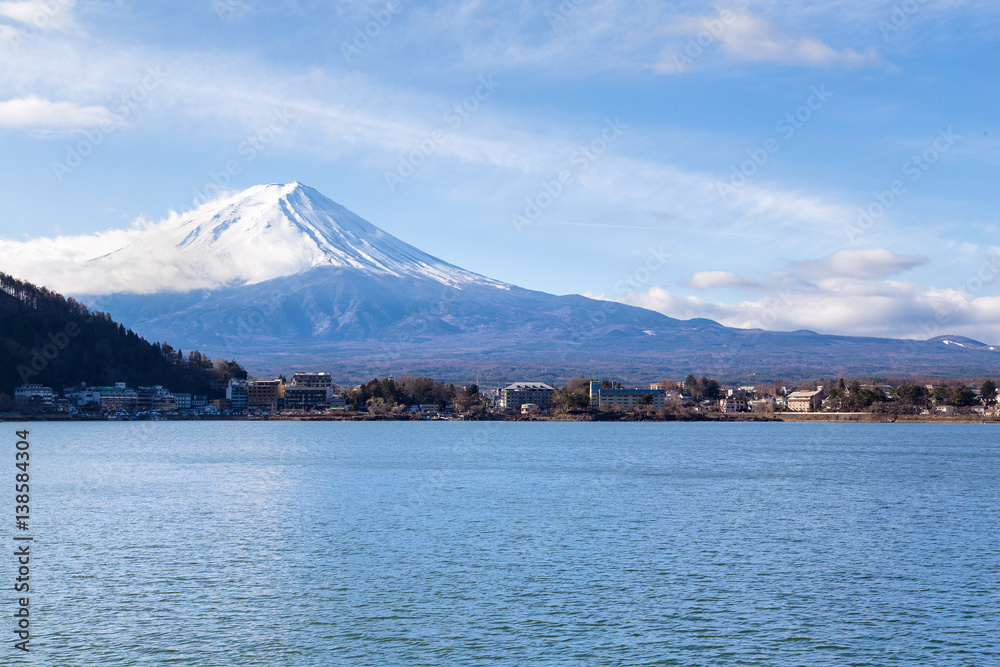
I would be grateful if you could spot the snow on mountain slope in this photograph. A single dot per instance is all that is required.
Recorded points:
(263, 233)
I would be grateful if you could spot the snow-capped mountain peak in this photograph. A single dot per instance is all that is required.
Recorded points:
(265, 232)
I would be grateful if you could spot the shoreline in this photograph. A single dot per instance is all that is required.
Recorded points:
(788, 418)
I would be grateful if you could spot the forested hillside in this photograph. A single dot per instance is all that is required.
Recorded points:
(48, 339)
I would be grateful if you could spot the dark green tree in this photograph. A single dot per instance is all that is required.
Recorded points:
(963, 397)
(989, 392)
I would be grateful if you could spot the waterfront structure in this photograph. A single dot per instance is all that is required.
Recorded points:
(84, 397)
(625, 399)
(338, 403)
(182, 401)
(530, 409)
(314, 381)
(34, 394)
(804, 401)
(309, 391)
(732, 404)
(764, 405)
(118, 398)
(157, 399)
(236, 394)
(515, 395)
(267, 395)
(305, 398)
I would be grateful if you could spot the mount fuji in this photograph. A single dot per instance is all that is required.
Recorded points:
(282, 278)
(262, 233)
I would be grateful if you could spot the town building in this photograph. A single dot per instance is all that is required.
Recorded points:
(266, 395)
(732, 404)
(805, 401)
(156, 399)
(34, 395)
(236, 394)
(84, 397)
(309, 391)
(305, 398)
(764, 405)
(118, 398)
(517, 394)
(530, 409)
(314, 381)
(625, 399)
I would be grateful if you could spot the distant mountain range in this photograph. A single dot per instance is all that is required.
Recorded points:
(283, 278)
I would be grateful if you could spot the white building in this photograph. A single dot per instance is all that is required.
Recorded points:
(34, 394)
(804, 401)
(322, 381)
(733, 404)
(625, 399)
(515, 395)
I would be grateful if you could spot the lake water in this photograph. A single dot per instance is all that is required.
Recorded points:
(289, 543)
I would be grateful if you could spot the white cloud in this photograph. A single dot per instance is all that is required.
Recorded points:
(872, 263)
(895, 310)
(751, 38)
(32, 15)
(704, 280)
(36, 112)
(847, 298)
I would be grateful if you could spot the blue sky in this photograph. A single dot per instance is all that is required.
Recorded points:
(555, 145)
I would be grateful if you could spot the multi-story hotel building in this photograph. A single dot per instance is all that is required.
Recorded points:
(625, 399)
(266, 395)
(515, 395)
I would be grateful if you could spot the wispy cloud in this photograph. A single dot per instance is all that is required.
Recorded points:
(33, 15)
(36, 112)
(862, 264)
(751, 38)
(704, 280)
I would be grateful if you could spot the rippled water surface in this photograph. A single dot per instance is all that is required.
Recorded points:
(510, 543)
